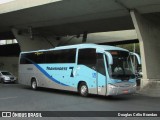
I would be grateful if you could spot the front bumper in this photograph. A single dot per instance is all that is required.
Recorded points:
(118, 90)
(9, 80)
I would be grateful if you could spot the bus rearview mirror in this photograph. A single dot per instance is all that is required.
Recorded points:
(137, 57)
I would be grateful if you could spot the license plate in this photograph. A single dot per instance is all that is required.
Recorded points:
(125, 91)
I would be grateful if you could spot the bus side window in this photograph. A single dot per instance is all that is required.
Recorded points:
(87, 57)
(28, 58)
(61, 56)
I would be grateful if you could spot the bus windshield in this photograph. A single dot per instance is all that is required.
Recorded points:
(122, 67)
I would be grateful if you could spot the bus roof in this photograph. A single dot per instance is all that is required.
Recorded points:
(89, 45)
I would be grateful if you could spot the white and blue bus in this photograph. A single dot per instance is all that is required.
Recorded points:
(84, 68)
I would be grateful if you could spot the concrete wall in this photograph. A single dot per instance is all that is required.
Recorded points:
(9, 64)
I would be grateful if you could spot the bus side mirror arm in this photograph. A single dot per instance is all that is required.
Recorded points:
(109, 57)
(137, 56)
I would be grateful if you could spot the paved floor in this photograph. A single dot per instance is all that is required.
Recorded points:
(15, 97)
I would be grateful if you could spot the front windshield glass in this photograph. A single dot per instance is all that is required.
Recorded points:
(6, 73)
(122, 66)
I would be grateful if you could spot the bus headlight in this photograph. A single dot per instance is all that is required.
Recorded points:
(111, 86)
(134, 85)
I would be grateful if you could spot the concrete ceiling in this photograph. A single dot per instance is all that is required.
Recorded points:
(70, 17)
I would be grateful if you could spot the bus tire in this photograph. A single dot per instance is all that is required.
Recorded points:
(83, 89)
(34, 84)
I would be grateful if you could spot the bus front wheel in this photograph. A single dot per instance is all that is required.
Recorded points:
(34, 84)
(83, 89)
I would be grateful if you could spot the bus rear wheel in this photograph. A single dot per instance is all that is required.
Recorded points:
(83, 89)
(34, 84)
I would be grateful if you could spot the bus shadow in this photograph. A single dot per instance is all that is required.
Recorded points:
(90, 96)
(112, 98)
(55, 91)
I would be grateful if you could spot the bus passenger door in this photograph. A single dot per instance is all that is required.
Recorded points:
(101, 75)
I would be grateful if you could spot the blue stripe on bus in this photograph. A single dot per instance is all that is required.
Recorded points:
(47, 75)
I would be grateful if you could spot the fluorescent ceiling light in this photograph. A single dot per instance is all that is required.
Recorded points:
(5, 1)
(55, 0)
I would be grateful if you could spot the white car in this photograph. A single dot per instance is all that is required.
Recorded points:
(6, 77)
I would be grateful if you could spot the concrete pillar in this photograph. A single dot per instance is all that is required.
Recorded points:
(29, 42)
(149, 38)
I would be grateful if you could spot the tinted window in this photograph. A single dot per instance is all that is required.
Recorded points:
(57, 56)
(27, 58)
(39, 57)
(87, 57)
(30, 58)
(61, 56)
